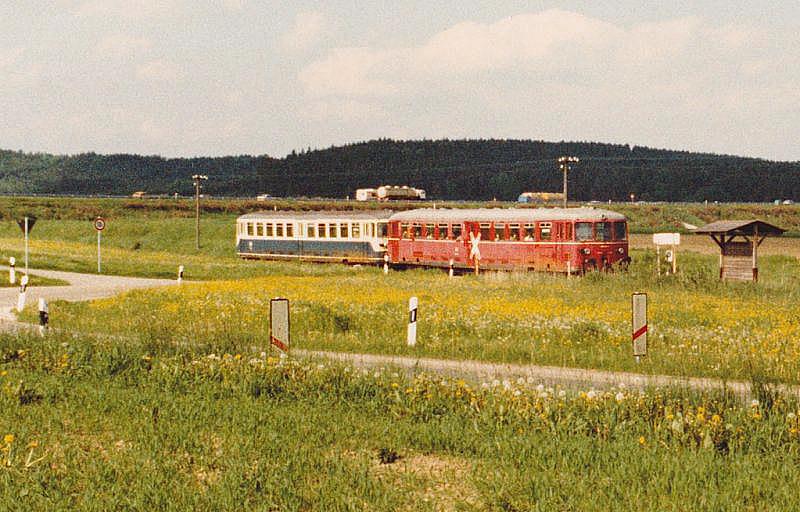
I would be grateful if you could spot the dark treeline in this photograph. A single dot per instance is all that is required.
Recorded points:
(447, 169)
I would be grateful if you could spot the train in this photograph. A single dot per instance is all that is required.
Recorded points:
(390, 193)
(566, 240)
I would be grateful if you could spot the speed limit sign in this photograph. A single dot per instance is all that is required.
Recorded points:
(99, 224)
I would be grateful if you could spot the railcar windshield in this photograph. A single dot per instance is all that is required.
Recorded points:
(383, 227)
(620, 233)
(602, 231)
(583, 231)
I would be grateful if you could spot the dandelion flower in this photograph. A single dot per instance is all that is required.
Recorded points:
(8, 438)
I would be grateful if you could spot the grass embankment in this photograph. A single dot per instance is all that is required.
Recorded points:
(101, 425)
(698, 326)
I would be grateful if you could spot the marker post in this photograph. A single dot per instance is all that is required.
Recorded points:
(639, 325)
(385, 263)
(44, 316)
(12, 270)
(180, 274)
(411, 337)
(279, 325)
(23, 293)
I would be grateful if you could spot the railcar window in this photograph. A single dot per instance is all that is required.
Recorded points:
(619, 231)
(513, 231)
(382, 228)
(289, 230)
(268, 231)
(429, 231)
(370, 229)
(321, 232)
(405, 232)
(251, 229)
(545, 231)
(310, 231)
(332, 230)
(343, 230)
(279, 230)
(416, 230)
(499, 231)
(456, 230)
(530, 232)
(356, 230)
(583, 231)
(602, 231)
(486, 232)
(442, 231)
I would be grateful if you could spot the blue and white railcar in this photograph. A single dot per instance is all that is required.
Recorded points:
(347, 237)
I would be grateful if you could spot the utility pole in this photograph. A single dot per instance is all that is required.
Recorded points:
(198, 178)
(563, 163)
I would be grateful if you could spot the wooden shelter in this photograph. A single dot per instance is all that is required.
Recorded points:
(738, 241)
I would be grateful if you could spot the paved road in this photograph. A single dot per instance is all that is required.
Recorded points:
(81, 287)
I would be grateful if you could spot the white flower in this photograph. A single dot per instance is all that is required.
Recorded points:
(517, 392)
(562, 394)
(485, 385)
(591, 394)
(521, 381)
(506, 384)
(495, 383)
(754, 403)
(620, 396)
(540, 388)
(791, 416)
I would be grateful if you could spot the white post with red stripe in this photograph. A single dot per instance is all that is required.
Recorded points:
(279, 325)
(639, 325)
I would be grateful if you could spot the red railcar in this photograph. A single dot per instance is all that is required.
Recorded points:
(545, 239)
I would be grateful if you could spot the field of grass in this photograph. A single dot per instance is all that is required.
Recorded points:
(698, 326)
(105, 425)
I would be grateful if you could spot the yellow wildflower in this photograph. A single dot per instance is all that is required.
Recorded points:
(8, 438)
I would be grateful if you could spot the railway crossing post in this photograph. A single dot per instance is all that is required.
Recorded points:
(279, 325)
(475, 250)
(639, 325)
(23, 293)
(411, 338)
(180, 274)
(12, 270)
(450, 273)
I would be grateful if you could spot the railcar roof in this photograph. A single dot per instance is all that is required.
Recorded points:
(506, 214)
(318, 215)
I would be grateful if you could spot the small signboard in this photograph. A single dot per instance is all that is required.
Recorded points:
(279, 324)
(639, 324)
(31, 221)
(99, 224)
(667, 238)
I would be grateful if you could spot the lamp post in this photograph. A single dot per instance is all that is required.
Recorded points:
(563, 163)
(198, 178)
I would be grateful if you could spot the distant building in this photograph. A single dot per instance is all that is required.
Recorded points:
(390, 193)
(540, 197)
(139, 194)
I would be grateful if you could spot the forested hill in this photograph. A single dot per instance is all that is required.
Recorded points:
(463, 169)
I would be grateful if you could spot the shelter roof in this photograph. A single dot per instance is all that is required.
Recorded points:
(740, 227)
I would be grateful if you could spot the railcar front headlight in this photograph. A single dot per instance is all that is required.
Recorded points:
(620, 250)
(586, 251)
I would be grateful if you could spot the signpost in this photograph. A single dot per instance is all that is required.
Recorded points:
(279, 324)
(26, 225)
(667, 239)
(639, 324)
(99, 226)
(411, 338)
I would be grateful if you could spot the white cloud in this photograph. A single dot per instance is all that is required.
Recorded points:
(135, 9)
(122, 45)
(10, 57)
(158, 71)
(306, 32)
(555, 43)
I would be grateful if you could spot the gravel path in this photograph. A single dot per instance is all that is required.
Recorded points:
(81, 287)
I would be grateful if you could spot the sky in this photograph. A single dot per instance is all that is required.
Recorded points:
(229, 77)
